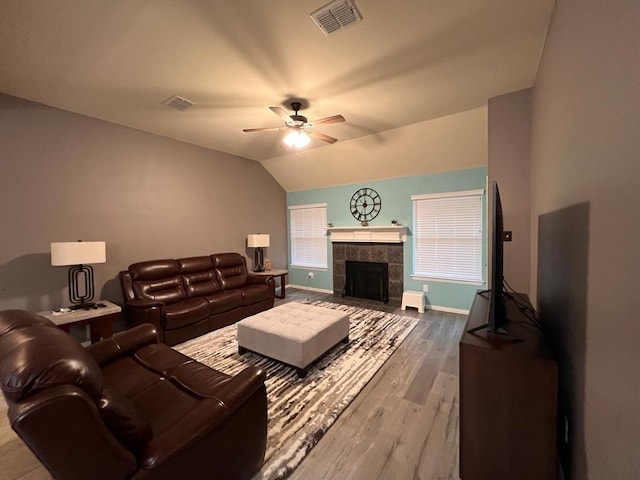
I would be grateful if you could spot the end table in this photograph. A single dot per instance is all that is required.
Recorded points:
(281, 274)
(100, 320)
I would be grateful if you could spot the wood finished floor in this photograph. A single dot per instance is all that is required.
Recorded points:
(403, 425)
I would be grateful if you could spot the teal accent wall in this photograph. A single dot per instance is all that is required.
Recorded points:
(396, 204)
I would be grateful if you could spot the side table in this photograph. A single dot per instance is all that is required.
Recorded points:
(281, 274)
(100, 320)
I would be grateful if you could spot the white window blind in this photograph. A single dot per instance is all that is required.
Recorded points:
(308, 229)
(447, 236)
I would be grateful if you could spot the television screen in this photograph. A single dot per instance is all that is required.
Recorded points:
(496, 316)
(497, 321)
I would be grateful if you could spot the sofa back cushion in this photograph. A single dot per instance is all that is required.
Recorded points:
(36, 355)
(199, 276)
(231, 270)
(157, 280)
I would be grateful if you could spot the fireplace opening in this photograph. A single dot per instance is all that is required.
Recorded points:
(368, 280)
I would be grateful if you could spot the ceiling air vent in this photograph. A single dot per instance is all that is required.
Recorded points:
(179, 103)
(335, 16)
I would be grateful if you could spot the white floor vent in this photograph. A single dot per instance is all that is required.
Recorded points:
(335, 16)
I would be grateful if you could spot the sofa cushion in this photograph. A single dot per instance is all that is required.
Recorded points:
(255, 293)
(186, 312)
(165, 290)
(157, 280)
(197, 378)
(231, 270)
(224, 301)
(199, 276)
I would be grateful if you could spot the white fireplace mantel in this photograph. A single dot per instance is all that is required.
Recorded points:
(383, 234)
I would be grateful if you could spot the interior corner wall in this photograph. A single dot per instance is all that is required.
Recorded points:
(67, 177)
(585, 169)
(509, 163)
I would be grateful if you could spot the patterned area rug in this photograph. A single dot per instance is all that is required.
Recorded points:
(302, 410)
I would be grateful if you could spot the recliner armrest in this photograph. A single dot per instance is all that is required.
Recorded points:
(123, 343)
(240, 386)
(64, 419)
(206, 416)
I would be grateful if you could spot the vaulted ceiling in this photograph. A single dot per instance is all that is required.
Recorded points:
(406, 62)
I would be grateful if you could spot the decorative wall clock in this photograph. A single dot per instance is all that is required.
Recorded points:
(365, 205)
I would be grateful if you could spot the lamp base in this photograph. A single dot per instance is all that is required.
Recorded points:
(258, 260)
(84, 306)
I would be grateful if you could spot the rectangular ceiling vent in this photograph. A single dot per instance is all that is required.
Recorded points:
(179, 103)
(335, 16)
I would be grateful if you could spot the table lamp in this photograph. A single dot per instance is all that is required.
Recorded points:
(78, 255)
(258, 241)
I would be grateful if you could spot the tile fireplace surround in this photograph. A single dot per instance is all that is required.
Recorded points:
(391, 253)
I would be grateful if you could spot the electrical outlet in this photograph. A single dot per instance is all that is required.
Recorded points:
(425, 287)
(310, 275)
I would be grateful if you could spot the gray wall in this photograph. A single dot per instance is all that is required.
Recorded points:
(586, 228)
(66, 177)
(509, 162)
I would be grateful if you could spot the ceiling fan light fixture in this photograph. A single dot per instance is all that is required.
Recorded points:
(297, 138)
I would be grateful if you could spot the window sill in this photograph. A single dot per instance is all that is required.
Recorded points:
(444, 280)
(302, 267)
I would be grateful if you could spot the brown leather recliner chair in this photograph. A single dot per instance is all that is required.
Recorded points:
(128, 407)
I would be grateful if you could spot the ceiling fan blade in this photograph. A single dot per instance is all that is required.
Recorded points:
(321, 136)
(325, 120)
(281, 113)
(267, 129)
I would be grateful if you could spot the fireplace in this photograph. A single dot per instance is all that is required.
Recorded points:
(390, 254)
(368, 280)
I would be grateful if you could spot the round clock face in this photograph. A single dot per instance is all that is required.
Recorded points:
(365, 205)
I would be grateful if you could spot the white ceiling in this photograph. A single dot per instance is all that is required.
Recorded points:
(408, 61)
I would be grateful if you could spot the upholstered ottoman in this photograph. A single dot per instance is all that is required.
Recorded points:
(293, 333)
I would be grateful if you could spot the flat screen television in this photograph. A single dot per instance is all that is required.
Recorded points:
(497, 315)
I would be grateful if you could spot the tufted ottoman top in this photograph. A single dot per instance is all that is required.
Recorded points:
(294, 333)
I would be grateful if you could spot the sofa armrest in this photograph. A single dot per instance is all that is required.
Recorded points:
(123, 343)
(206, 416)
(253, 279)
(201, 422)
(63, 427)
(240, 386)
(140, 311)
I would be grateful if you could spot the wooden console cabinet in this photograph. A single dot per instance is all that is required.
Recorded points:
(508, 399)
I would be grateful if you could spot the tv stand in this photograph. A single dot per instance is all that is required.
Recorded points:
(508, 397)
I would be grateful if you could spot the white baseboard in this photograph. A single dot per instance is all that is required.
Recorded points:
(311, 289)
(459, 311)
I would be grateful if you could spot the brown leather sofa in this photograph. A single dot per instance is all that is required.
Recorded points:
(128, 407)
(188, 297)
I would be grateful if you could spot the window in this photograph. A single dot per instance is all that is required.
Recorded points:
(308, 230)
(447, 236)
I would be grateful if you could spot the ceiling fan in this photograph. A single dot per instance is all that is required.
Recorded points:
(299, 125)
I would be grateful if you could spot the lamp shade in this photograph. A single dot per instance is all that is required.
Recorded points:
(78, 253)
(255, 240)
